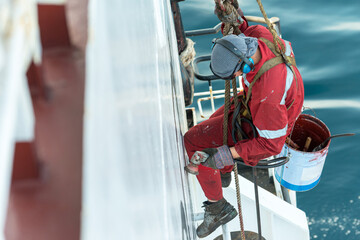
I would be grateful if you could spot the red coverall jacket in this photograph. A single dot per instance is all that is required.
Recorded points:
(271, 95)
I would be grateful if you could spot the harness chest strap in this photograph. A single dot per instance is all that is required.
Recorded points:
(288, 60)
(278, 59)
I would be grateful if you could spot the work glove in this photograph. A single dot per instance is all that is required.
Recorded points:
(215, 158)
(218, 158)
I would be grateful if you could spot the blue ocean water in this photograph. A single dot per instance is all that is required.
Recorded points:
(325, 36)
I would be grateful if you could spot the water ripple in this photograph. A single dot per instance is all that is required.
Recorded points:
(332, 103)
(343, 26)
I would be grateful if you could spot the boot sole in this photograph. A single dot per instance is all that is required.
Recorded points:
(222, 221)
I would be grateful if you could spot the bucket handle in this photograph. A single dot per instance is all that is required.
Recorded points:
(265, 164)
(306, 108)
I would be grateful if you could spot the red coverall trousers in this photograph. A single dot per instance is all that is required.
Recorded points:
(209, 134)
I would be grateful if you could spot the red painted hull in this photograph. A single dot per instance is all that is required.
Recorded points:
(45, 198)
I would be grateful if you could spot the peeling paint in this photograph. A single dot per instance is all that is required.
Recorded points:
(267, 96)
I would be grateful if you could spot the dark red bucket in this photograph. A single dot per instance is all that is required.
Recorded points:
(304, 168)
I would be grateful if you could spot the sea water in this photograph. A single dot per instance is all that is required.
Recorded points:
(325, 36)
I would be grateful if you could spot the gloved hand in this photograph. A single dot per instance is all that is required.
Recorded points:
(215, 158)
(218, 157)
(228, 12)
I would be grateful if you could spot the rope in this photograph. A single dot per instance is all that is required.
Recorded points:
(238, 198)
(276, 38)
(226, 112)
(228, 14)
(236, 173)
(188, 55)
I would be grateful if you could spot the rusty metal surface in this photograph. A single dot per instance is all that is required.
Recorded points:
(180, 34)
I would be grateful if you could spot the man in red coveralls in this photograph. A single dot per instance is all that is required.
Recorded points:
(276, 101)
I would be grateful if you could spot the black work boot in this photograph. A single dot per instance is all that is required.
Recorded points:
(225, 179)
(216, 214)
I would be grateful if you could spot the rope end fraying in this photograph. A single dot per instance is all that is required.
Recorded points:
(187, 56)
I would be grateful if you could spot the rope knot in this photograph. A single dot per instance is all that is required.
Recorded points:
(227, 13)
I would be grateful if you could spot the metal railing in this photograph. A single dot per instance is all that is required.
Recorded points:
(206, 31)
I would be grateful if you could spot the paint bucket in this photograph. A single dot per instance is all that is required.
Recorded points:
(303, 171)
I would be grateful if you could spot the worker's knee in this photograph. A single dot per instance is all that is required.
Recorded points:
(190, 135)
(187, 140)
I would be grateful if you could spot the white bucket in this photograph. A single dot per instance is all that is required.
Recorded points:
(303, 171)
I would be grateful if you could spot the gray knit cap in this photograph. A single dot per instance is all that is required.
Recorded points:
(223, 61)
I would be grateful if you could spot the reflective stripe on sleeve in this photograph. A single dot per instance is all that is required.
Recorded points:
(289, 74)
(288, 48)
(272, 134)
(289, 80)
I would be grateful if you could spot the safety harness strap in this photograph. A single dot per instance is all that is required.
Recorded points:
(265, 67)
(271, 46)
(288, 60)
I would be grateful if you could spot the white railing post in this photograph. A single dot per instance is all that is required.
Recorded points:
(226, 232)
